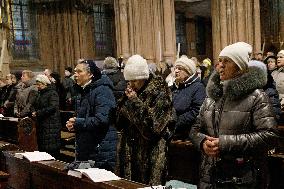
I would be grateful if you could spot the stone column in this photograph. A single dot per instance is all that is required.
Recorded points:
(234, 21)
(169, 31)
(121, 24)
(146, 27)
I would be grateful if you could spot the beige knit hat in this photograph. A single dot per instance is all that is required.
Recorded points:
(43, 79)
(136, 68)
(110, 63)
(238, 52)
(187, 64)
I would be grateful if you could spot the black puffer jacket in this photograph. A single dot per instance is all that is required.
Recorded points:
(48, 120)
(246, 126)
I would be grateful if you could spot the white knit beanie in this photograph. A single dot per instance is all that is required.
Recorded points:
(136, 68)
(238, 52)
(187, 64)
(43, 79)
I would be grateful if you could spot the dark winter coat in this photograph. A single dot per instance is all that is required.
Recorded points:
(143, 122)
(272, 93)
(119, 83)
(68, 84)
(278, 76)
(94, 107)
(48, 120)
(187, 100)
(246, 130)
(106, 151)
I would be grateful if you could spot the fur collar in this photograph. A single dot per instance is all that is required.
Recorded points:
(238, 87)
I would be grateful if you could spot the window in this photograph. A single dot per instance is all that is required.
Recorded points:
(23, 36)
(181, 33)
(104, 30)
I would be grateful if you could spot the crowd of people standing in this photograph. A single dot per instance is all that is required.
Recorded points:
(125, 116)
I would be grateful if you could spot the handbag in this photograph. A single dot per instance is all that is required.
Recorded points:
(235, 171)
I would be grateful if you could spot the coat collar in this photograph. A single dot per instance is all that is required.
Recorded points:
(255, 78)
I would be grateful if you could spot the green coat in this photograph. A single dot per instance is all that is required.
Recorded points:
(144, 123)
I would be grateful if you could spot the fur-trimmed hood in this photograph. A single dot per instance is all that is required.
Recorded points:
(255, 78)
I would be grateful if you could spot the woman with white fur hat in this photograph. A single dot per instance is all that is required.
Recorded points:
(236, 124)
(47, 116)
(145, 116)
(278, 76)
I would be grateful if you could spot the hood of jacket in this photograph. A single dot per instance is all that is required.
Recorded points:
(255, 78)
(103, 81)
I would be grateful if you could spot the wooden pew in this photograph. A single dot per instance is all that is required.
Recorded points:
(3, 179)
(19, 131)
(183, 161)
(51, 175)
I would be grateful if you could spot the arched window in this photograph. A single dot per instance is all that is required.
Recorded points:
(23, 35)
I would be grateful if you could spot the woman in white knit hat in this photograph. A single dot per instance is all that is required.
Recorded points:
(145, 115)
(47, 116)
(188, 96)
(236, 124)
(278, 76)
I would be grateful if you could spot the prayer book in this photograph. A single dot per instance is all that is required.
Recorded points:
(95, 174)
(34, 156)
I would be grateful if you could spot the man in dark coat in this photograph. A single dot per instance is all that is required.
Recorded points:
(94, 108)
(188, 96)
(236, 124)
(145, 116)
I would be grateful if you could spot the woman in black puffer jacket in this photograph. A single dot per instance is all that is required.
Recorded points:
(47, 116)
(236, 124)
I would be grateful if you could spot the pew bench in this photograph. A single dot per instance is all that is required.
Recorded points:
(183, 161)
(52, 175)
(3, 179)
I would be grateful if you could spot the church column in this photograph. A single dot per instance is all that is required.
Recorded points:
(169, 31)
(233, 22)
(121, 24)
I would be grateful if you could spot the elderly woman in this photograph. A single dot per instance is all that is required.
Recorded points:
(270, 62)
(236, 124)
(278, 76)
(47, 116)
(144, 117)
(188, 96)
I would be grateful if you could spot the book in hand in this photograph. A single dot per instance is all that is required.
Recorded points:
(35, 156)
(95, 174)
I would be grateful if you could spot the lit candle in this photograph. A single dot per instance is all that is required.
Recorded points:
(178, 50)
(160, 46)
